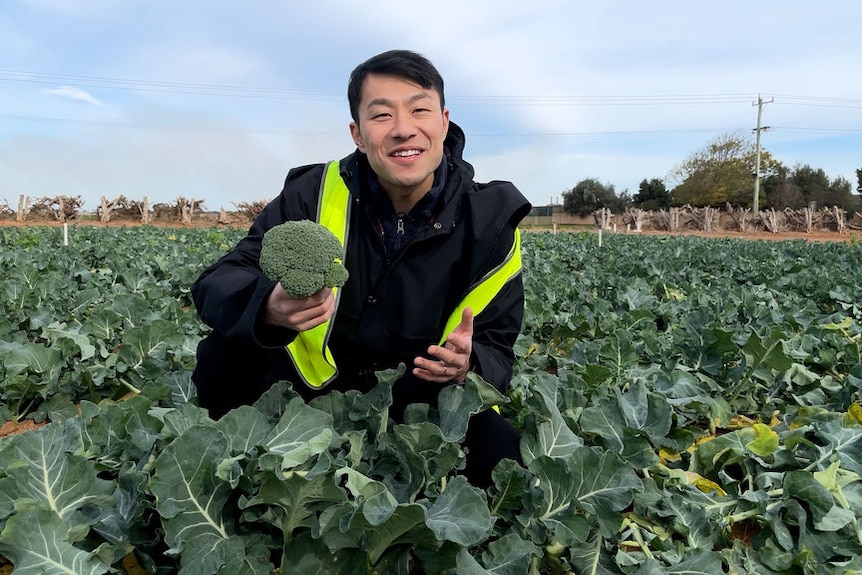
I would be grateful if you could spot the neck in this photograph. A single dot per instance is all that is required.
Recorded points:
(403, 200)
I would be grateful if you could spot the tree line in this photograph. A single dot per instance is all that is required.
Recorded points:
(721, 173)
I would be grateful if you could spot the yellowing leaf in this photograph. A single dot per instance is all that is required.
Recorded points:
(668, 456)
(855, 412)
(775, 420)
(828, 478)
(673, 294)
(738, 421)
(5, 566)
(132, 567)
(765, 440)
(693, 447)
(704, 484)
(846, 323)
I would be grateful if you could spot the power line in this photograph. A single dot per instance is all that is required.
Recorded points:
(149, 126)
(586, 101)
(819, 99)
(249, 92)
(513, 135)
(829, 130)
(178, 127)
(206, 89)
(162, 87)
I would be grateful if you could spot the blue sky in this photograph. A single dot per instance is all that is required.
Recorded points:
(217, 100)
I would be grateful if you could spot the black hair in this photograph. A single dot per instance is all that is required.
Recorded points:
(401, 63)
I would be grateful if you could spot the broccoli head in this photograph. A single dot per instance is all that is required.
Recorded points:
(303, 256)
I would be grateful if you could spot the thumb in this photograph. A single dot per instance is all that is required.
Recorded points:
(466, 325)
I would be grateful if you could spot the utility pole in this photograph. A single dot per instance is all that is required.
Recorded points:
(759, 103)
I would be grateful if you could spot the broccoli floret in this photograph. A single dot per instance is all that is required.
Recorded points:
(303, 256)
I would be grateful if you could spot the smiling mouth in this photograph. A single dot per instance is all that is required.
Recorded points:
(406, 153)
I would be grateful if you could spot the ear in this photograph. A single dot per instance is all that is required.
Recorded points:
(445, 122)
(357, 136)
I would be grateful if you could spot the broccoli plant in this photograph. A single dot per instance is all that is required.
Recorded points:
(303, 257)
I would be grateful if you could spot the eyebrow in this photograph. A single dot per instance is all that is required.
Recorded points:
(388, 102)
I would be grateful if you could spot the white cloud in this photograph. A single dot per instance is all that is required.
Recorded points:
(72, 93)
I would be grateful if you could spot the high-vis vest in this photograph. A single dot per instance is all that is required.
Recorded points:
(310, 352)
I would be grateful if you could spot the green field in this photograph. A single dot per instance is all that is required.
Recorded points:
(687, 405)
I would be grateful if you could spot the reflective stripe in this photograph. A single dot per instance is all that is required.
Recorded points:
(481, 294)
(486, 289)
(309, 350)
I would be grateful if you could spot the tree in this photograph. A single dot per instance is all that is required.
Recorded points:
(588, 195)
(107, 208)
(779, 192)
(814, 185)
(840, 194)
(622, 202)
(652, 195)
(859, 181)
(187, 207)
(250, 210)
(721, 172)
(62, 208)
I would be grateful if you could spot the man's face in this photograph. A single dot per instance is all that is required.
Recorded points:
(401, 129)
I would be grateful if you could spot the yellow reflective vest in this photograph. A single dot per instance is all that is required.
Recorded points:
(309, 351)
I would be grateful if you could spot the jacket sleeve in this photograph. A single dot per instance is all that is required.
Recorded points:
(231, 294)
(498, 326)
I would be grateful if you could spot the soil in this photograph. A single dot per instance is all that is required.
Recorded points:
(16, 427)
(201, 221)
(236, 221)
(816, 236)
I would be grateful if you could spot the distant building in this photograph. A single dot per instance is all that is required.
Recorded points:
(544, 211)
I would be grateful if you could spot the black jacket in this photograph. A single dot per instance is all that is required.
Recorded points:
(390, 310)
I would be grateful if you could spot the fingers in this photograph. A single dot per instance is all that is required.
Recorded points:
(451, 361)
(439, 371)
(456, 357)
(299, 314)
(308, 318)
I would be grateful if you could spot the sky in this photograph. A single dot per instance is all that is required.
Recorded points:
(217, 100)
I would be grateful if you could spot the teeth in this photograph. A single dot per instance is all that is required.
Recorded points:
(406, 153)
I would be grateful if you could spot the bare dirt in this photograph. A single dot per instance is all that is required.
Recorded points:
(16, 427)
(816, 236)
(204, 221)
(235, 221)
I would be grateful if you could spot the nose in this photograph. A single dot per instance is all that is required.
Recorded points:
(403, 127)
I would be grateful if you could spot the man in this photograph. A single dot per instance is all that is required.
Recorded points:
(421, 234)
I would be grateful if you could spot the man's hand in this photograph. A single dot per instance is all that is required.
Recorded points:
(451, 361)
(298, 314)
